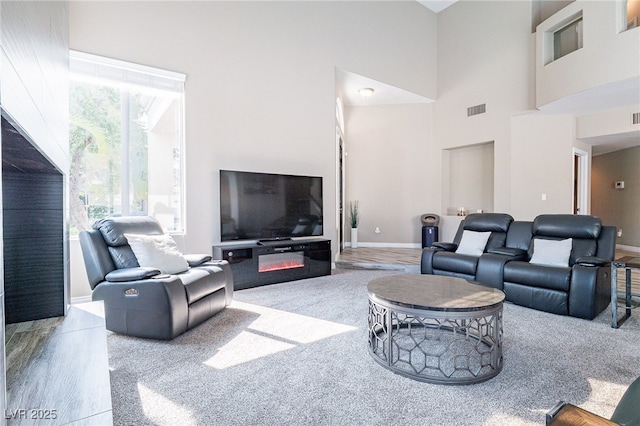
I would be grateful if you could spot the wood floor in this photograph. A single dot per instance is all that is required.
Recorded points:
(397, 259)
(57, 370)
(407, 260)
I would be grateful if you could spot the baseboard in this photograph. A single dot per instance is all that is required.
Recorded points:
(628, 248)
(81, 299)
(387, 245)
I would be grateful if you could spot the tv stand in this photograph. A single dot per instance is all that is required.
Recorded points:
(270, 240)
(275, 261)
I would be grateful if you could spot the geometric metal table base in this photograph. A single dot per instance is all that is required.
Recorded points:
(462, 347)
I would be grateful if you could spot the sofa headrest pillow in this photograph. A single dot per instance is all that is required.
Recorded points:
(114, 228)
(551, 252)
(473, 243)
(488, 222)
(567, 226)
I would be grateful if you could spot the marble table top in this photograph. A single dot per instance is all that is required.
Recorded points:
(435, 293)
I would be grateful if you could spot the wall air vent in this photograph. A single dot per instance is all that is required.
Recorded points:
(635, 118)
(475, 110)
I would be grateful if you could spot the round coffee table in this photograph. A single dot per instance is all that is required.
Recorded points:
(435, 328)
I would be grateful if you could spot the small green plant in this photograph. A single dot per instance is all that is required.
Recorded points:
(354, 213)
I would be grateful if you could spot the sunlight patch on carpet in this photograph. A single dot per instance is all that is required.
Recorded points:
(246, 347)
(163, 411)
(604, 397)
(272, 332)
(501, 419)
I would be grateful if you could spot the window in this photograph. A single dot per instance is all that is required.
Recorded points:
(567, 39)
(126, 142)
(632, 14)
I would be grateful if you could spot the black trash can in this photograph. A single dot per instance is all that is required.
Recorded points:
(430, 223)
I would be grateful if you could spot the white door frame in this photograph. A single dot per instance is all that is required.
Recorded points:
(583, 175)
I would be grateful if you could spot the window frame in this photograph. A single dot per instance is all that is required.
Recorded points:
(94, 69)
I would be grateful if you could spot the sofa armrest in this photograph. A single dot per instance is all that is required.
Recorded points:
(445, 246)
(153, 308)
(226, 267)
(131, 274)
(196, 259)
(515, 253)
(592, 261)
(589, 290)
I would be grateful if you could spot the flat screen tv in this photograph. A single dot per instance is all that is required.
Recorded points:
(268, 206)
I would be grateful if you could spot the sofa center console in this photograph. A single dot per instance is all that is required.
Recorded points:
(268, 262)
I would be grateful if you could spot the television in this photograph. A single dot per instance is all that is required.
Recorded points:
(269, 206)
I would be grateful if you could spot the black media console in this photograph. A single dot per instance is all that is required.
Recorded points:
(268, 262)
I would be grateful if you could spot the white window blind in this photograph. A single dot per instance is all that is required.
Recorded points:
(92, 66)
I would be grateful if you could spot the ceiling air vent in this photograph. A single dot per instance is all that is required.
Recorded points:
(475, 110)
(635, 118)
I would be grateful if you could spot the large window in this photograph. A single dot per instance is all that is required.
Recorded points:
(125, 142)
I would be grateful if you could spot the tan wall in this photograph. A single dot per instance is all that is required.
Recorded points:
(619, 207)
(389, 169)
(541, 165)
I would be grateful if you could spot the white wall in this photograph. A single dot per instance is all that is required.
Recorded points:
(35, 69)
(260, 95)
(608, 55)
(483, 58)
(260, 88)
(612, 122)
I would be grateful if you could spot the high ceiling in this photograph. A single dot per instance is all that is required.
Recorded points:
(622, 94)
(437, 5)
(384, 94)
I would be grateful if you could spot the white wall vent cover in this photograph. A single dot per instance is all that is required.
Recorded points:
(635, 118)
(475, 110)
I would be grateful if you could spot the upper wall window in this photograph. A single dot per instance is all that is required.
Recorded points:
(632, 15)
(563, 38)
(567, 39)
(126, 142)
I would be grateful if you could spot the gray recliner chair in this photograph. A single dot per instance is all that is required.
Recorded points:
(143, 301)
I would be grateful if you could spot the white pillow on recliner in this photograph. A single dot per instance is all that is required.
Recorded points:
(157, 251)
(551, 252)
(473, 243)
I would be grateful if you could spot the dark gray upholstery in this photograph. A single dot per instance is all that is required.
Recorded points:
(441, 258)
(581, 289)
(139, 301)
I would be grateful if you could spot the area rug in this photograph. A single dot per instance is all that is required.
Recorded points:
(296, 354)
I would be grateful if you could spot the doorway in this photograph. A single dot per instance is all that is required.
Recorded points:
(340, 146)
(581, 175)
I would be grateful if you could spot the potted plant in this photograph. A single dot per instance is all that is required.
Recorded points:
(354, 220)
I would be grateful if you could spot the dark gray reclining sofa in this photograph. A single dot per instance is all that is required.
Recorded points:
(581, 289)
(141, 301)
